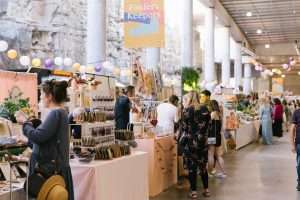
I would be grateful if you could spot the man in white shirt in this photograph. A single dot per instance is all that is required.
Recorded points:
(167, 115)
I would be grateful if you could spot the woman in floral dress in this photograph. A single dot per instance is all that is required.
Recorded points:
(196, 119)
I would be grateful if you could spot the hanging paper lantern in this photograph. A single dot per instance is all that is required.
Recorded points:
(68, 62)
(36, 62)
(293, 62)
(90, 69)
(117, 71)
(58, 61)
(12, 54)
(24, 60)
(3, 46)
(76, 67)
(82, 69)
(98, 67)
(49, 63)
(105, 64)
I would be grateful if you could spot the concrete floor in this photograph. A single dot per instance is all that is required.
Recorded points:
(255, 172)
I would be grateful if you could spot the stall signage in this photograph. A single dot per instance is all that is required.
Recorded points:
(144, 23)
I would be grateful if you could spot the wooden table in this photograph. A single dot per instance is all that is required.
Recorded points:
(162, 159)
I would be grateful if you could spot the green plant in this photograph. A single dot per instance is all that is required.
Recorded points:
(190, 79)
(12, 104)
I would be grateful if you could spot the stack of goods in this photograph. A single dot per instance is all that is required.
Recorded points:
(113, 151)
(104, 104)
(90, 116)
(124, 135)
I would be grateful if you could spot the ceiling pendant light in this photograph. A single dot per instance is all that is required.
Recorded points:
(259, 31)
(267, 46)
(249, 14)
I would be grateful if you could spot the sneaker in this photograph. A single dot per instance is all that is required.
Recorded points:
(193, 195)
(298, 187)
(221, 175)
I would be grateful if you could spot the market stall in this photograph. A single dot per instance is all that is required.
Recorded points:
(241, 125)
(162, 159)
(124, 178)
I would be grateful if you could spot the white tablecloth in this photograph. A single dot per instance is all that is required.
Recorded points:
(245, 134)
(124, 178)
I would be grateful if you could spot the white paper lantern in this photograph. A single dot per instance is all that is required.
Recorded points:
(105, 64)
(3, 46)
(68, 62)
(58, 61)
(90, 69)
(24, 60)
(293, 62)
(257, 67)
(82, 69)
(117, 71)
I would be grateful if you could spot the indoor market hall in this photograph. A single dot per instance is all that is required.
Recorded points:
(255, 172)
(149, 99)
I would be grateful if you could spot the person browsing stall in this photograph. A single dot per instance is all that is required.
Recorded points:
(167, 114)
(51, 137)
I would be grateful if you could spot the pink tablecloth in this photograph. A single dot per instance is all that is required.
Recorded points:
(124, 178)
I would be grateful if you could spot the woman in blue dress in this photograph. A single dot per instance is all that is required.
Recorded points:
(265, 114)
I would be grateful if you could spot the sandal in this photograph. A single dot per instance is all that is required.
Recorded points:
(206, 194)
(193, 195)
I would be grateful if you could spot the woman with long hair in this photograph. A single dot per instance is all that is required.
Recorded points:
(277, 118)
(195, 124)
(265, 115)
(215, 150)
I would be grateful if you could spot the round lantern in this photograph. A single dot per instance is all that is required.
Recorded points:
(68, 62)
(12, 54)
(36, 62)
(76, 67)
(24, 60)
(3, 46)
(82, 69)
(48, 63)
(90, 69)
(58, 61)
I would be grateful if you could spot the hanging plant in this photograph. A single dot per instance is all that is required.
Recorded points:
(190, 78)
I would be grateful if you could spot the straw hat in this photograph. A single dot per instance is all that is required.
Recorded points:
(53, 189)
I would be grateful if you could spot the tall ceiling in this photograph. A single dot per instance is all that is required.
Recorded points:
(279, 20)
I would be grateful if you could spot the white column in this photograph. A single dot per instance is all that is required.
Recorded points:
(238, 65)
(209, 54)
(152, 57)
(186, 26)
(96, 31)
(226, 56)
(247, 78)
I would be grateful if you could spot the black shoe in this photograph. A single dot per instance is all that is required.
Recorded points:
(298, 187)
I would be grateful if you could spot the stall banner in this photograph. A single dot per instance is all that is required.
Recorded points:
(277, 85)
(144, 23)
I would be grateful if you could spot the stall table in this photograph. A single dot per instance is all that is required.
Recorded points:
(162, 159)
(124, 178)
(246, 134)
